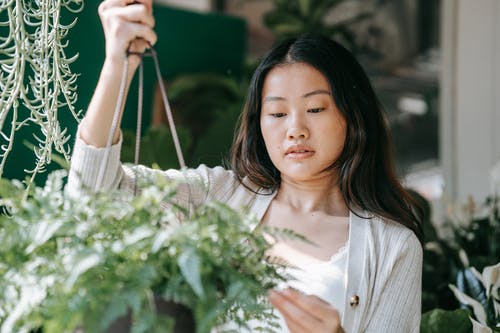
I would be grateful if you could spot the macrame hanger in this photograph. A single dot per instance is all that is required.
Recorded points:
(119, 105)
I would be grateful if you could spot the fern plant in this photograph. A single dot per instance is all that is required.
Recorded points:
(36, 81)
(84, 262)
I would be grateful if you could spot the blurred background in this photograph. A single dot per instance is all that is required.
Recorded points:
(433, 63)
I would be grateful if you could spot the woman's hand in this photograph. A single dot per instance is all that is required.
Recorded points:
(127, 24)
(305, 314)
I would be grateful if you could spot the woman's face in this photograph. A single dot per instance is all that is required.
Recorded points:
(303, 129)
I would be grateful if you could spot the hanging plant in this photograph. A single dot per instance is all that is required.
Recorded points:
(88, 261)
(35, 76)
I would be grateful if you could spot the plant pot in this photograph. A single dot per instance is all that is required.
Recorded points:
(183, 316)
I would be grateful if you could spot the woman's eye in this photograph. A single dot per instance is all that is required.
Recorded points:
(278, 114)
(315, 110)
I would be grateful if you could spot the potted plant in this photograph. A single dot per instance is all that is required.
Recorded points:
(454, 287)
(83, 263)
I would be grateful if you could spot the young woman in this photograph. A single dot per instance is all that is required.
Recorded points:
(312, 154)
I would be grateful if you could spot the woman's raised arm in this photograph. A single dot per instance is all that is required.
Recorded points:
(127, 24)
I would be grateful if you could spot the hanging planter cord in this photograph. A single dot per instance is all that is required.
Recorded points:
(119, 105)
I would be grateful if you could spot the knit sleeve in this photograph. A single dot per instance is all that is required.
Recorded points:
(397, 307)
(194, 185)
(86, 162)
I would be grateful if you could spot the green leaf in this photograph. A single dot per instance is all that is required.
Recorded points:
(80, 266)
(442, 321)
(11, 189)
(116, 309)
(189, 263)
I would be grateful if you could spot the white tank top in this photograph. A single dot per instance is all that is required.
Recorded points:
(326, 280)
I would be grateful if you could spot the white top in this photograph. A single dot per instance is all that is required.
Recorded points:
(327, 280)
(384, 258)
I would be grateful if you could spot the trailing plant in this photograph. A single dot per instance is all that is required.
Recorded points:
(35, 76)
(82, 262)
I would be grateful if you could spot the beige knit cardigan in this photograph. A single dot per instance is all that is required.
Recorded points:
(383, 293)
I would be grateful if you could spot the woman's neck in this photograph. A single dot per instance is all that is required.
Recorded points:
(320, 195)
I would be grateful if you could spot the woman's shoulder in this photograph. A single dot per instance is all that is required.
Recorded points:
(392, 235)
(225, 186)
(218, 179)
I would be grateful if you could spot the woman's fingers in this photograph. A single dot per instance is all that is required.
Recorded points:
(295, 327)
(303, 313)
(134, 13)
(127, 25)
(132, 31)
(139, 46)
(309, 303)
(292, 312)
(121, 3)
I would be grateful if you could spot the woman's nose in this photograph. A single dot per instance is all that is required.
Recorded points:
(297, 130)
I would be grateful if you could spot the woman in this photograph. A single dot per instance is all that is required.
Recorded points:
(312, 154)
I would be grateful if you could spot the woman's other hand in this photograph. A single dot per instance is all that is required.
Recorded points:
(305, 314)
(127, 23)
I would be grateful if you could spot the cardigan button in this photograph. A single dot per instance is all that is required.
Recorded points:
(354, 301)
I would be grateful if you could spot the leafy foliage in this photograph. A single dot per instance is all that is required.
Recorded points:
(449, 277)
(156, 146)
(35, 74)
(476, 230)
(84, 262)
(472, 240)
(206, 108)
(291, 18)
(442, 321)
(480, 293)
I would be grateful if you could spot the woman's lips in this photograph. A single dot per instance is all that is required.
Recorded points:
(299, 152)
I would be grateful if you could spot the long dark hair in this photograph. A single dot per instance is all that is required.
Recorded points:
(367, 176)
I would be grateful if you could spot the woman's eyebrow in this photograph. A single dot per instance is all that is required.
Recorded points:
(309, 94)
(317, 92)
(273, 98)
